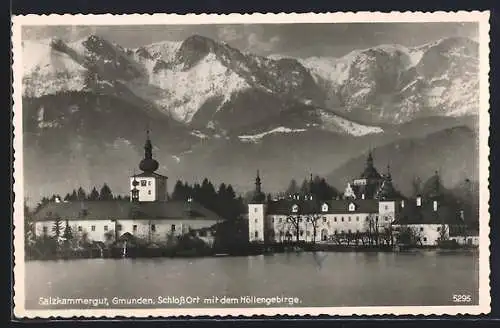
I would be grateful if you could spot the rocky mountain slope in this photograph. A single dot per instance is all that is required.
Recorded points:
(217, 112)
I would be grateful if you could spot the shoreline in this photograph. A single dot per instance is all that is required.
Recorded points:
(251, 251)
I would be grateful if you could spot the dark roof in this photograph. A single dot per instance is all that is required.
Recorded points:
(149, 175)
(284, 206)
(122, 209)
(425, 214)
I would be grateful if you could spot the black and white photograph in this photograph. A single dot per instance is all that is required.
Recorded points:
(272, 164)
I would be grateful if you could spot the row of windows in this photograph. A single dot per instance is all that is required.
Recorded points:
(144, 182)
(280, 220)
(118, 228)
(308, 233)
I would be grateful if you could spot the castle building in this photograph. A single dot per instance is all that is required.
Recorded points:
(430, 217)
(149, 216)
(369, 206)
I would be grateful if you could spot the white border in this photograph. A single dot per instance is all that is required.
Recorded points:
(167, 19)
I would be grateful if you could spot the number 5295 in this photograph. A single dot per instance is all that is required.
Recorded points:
(462, 298)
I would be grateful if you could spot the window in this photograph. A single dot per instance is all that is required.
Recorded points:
(256, 234)
(172, 227)
(105, 228)
(357, 218)
(342, 219)
(255, 220)
(349, 219)
(295, 208)
(386, 207)
(425, 238)
(352, 207)
(301, 233)
(255, 210)
(149, 183)
(143, 183)
(118, 227)
(421, 228)
(153, 227)
(92, 228)
(79, 228)
(149, 192)
(279, 220)
(324, 208)
(334, 219)
(324, 220)
(44, 229)
(134, 228)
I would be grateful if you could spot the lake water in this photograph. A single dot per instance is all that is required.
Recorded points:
(326, 279)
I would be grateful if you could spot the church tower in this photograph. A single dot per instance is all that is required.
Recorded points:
(257, 213)
(148, 186)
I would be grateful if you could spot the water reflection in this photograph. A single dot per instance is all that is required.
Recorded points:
(320, 279)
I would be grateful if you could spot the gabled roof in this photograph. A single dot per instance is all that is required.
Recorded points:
(284, 206)
(123, 210)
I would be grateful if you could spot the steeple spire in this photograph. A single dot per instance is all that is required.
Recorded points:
(258, 183)
(258, 196)
(148, 164)
(388, 175)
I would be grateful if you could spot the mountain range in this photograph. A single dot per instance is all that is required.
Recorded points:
(218, 112)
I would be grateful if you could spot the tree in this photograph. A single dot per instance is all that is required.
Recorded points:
(57, 228)
(443, 233)
(29, 234)
(80, 194)
(180, 192)
(94, 194)
(294, 223)
(73, 195)
(314, 221)
(68, 233)
(293, 188)
(105, 193)
(305, 188)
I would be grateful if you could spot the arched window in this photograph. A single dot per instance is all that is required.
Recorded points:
(324, 208)
(352, 207)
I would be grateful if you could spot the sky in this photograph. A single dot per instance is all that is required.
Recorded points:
(296, 40)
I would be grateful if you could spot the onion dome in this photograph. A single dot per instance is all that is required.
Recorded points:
(148, 164)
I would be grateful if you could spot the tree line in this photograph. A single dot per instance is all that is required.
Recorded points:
(104, 193)
(316, 187)
(222, 201)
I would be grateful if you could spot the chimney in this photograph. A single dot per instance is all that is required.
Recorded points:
(403, 204)
(435, 205)
(419, 201)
